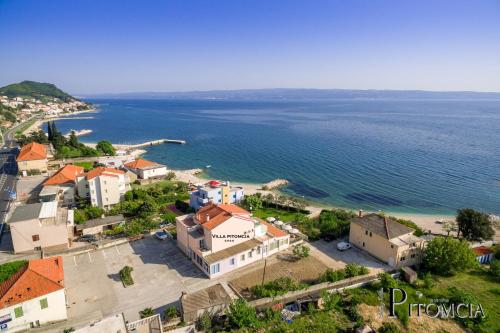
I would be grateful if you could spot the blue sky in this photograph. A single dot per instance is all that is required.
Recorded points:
(121, 46)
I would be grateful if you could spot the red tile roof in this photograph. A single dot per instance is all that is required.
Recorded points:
(103, 171)
(66, 175)
(482, 250)
(140, 164)
(39, 277)
(218, 214)
(32, 151)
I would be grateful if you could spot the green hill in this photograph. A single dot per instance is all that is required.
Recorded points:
(36, 90)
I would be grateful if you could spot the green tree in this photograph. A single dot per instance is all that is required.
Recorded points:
(474, 225)
(387, 281)
(301, 251)
(241, 315)
(147, 208)
(447, 256)
(253, 202)
(147, 312)
(170, 313)
(204, 322)
(73, 140)
(495, 267)
(106, 148)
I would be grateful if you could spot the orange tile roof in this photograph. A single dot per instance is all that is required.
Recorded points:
(273, 230)
(218, 214)
(103, 171)
(32, 151)
(66, 175)
(40, 277)
(140, 164)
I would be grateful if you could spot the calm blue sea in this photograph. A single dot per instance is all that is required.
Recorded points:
(399, 156)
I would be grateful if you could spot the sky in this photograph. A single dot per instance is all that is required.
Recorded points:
(94, 46)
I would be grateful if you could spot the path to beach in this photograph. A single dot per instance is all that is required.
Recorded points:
(426, 222)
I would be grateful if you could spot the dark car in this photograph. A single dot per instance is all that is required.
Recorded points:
(87, 238)
(328, 238)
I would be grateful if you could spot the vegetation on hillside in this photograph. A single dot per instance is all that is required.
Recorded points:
(35, 90)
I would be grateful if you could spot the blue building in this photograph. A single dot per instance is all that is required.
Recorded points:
(215, 192)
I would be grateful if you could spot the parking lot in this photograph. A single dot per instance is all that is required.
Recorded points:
(160, 272)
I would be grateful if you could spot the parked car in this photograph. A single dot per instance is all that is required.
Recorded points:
(342, 246)
(328, 238)
(163, 235)
(87, 238)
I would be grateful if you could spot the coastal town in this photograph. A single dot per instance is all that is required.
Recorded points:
(96, 238)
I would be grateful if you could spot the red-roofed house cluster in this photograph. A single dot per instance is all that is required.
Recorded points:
(222, 238)
(33, 296)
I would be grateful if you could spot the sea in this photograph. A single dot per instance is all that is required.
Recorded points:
(403, 156)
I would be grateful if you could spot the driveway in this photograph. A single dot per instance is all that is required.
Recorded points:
(327, 251)
(160, 272)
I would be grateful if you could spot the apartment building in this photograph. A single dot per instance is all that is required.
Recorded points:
(104, 187)
(61, 185)
(215, 192)
(222, 238)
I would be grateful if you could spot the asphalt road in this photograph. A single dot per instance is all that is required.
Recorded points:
(8, 171)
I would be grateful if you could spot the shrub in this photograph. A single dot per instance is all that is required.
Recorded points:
(389, 327)
(387, 281)
(301, 251)
(204, 322)
(276, 287)
(126, 275)
(170, 313)
(147, 312)
(330, 300)
(352, 270)
(240, 314)
(495, 267)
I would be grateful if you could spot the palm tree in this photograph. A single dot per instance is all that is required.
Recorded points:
(147, 312)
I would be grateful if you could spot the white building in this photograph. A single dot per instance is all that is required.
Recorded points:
(145, 169)
(215, 192)
(104, 187)
(33, 296)
(40, 226)
(222, 238)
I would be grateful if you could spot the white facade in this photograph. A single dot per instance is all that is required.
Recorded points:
(35, 312)
(103, 190)
(153, 172)
(220, 194)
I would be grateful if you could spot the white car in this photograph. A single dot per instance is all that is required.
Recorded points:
(342, 246)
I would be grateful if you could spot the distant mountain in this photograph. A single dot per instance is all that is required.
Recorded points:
(304, 94)
(35, 90)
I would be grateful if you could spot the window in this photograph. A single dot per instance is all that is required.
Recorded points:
(35, 238)
(44, 303)
(231, 261)
(202, 243)
(242, 257)
(249, 254)
(258, 249)
(18, 312)
(366, 232)
(402, 259)
(215, 269)
(363, 244)
(392, 246)
(370, 233)
(413, 255)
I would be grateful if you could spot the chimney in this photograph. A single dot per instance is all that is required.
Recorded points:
(360, 213)
(208, 217)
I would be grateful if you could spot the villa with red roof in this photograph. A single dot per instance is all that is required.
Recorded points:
(31, 158)
(145, 169)
(103, 187)
(61, 185)
(33, 296)
(222, 238)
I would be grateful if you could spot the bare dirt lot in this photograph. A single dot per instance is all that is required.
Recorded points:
(303, 270)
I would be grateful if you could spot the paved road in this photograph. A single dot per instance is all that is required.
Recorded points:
(8, 170)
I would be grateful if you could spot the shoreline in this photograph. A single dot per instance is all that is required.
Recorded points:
(423, 220)
(37, 125)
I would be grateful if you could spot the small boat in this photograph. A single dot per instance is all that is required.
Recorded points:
(208, 166)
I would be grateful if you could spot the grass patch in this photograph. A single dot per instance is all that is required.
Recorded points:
(10, 268)
(87, 165)
(126, 276)
(280, 214)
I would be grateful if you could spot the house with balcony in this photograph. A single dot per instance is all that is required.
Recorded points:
(103, 187)
(220, 238)
(215, 192)
(386, 239)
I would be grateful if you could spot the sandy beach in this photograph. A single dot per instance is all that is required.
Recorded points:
(37, 125)
(425, 221)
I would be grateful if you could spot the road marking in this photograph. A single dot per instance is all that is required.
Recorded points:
(90, 258)
(116, 248)
(74, 260)
(104, 253)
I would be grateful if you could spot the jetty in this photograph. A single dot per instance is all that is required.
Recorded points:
(275, 184)
(79, 133)
(149, 143)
